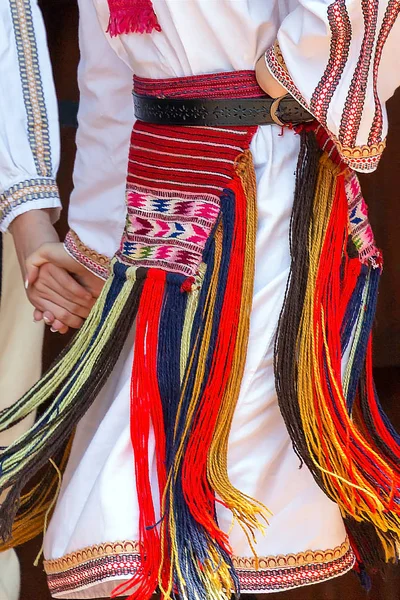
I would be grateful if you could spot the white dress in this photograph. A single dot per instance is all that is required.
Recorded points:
(29, 156)
(91, 542)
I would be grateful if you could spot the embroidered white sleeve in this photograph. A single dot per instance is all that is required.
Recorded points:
(29, 130)
(339, 60)
(97, 210)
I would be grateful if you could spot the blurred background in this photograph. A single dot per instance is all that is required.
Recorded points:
(382, 191)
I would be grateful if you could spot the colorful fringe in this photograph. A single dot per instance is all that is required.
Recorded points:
(184, 273)
(37, 504)
(185, 270)
(68, 389)
(335, 421)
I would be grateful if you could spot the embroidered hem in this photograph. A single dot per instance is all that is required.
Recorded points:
(99, 264)
(99, 563)
(30, 191)
(363, 158)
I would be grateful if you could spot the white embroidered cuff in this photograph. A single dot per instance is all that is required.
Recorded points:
(363, 158)
(98, 264)
(28, 195)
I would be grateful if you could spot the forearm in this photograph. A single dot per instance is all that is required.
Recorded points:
(338, 59)
(267, 82)
(30, 231)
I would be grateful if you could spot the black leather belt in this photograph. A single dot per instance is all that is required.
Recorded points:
(211, 113)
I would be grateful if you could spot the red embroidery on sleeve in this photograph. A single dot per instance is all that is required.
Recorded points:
(339, 22)
(391, 14)
(352, 113)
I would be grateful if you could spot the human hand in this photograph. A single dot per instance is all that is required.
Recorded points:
(267, 81)
(59, 299)
(58, 256)
(30, 231)
(52, 287)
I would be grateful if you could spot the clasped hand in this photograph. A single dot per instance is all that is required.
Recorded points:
(62, 291)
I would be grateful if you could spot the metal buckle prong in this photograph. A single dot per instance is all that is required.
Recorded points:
(274, 108)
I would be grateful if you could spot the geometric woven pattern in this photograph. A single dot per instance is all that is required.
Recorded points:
(24, 192)
(360, 227)
(275, 573)
(99, 264)
(176, 175)
(169, 232)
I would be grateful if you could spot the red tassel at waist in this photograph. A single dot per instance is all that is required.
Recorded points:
(132, 16)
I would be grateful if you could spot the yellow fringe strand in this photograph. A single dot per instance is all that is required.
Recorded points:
(191, 308)
(358, 498)
(32, 519)
(246, 511)
(83, 342)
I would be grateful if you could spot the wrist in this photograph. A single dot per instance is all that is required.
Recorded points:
(267, 81)
(30, 231)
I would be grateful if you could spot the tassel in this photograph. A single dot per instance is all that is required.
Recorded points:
(290, 318)
(345, 462)
(354, 281)
(178, 310)
(132, 16)
(371, 548)
(199, 564)
(146, 407)
(191, 345)
(244, 509)
(172, 323)
(200, 551)
(374, 419)
(69, 388)
(36, 505)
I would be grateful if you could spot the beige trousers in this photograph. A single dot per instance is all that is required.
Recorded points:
(20, 366)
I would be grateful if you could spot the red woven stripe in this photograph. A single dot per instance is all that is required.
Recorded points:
(181, 166)
(169, 147)
(220, 135)
(235, 84)
(177, 162)
(149, 147)
(175, 175)
(163, 185)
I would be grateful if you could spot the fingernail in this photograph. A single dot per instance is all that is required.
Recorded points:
(53, 330)
(37, 320)
(46, 319)
(26, 284)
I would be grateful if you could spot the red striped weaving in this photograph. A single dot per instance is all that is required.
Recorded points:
(176, 175)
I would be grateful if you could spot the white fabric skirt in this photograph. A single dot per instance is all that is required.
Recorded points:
(91, 543)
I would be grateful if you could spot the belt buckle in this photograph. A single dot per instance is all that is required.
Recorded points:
(274, 108)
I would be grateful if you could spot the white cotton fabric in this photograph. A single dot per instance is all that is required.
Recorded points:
(9, 575)
(17, 151)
